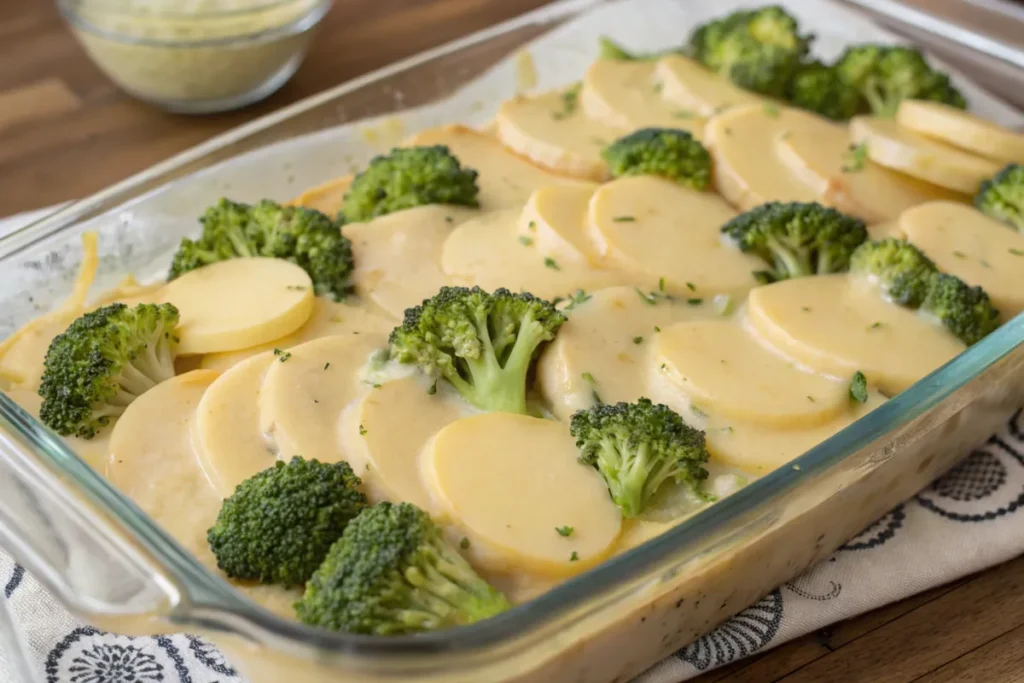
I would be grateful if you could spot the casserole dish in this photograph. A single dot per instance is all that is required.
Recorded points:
(95, 550)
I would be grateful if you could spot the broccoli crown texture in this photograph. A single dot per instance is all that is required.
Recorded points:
(819, 88)
(279, 524)
(637, 447)
(903, 272)
(407, 177)
(1002, 197)
(964, 310)
(392, 572)
(305, 237)
(797, 239)
(757, 49)
(665, 152)
(104, 361)
(483, 344)
(888, 74)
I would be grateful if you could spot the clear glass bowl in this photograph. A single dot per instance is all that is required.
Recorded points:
(196, 56)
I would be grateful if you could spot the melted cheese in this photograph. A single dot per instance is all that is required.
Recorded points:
(961, 129)
(625, 95)
(697, 90)
(554, 222)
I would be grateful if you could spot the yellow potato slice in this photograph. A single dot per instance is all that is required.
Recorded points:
(668, 234)
(329, 318)
(819, 154)
(483, 468)
(487, 252)
(239, 303)
(555, 135)
(592, 357)
(226, 427)
(505, 180)
(840, 324)
(93, 451)
(960, 129)
(977, 249)
(388, 458)
(398, 256)
(697, 90)
(553, 222)
(901, 149)
(305, 393)
(742, 144)
(327, 198)
(726, 372)
(624, 95)
(152, 461)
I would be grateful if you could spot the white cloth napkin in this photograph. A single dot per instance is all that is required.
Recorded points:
(965, 521)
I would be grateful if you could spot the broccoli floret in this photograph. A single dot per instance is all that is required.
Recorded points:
(392, 572)
(797, 239)
(964, 310)
(303, 236)
(483, 344)
(1002, 197)
(104, 361)
(888, 74)
(665, 152)
(637, 447)
(279, 524)
(818, 88)
(901, 269)
(408, 177)
(757, 49)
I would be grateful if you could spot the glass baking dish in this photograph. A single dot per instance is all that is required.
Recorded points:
(109, 563)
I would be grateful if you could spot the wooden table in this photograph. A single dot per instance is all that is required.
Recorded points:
(65, 131)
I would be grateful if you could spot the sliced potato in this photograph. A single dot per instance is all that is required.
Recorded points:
(305, 393)
(697, 90)
(554, 222)
(668, 236)
(624, 95)
(239, 303)
(228, 439)
(482, 468)
(977, 249)
(327, 198)
(591, 358)
(960, 129)
(505, 179)
(555, 135)
(840, 324)
(903, 150)
(726, 372)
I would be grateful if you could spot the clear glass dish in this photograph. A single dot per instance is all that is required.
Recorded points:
(196, 56)
(108, 562)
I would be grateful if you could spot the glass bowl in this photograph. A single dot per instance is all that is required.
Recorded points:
(196, 56)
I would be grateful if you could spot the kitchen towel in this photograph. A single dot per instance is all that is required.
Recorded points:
(967, 520)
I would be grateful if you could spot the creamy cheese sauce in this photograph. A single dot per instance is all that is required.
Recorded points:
(657, 304)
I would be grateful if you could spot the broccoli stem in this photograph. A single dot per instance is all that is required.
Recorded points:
(795, 262)
(449, 588)
(134, 381)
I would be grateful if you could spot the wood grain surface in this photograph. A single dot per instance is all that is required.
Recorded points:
(66, 131)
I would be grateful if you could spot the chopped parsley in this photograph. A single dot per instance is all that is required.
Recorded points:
(858, 387)
(525, 241)
(1017, 252)
(574, 557)
(551, 263)
(695, 302)
(362, 430)
(282, 355)
(856, 156)
(327, 365)
(588, 377)
(638, 340)
(771, 110)
(959, 254)
(577, 298)
(464, 543)
(565, 531)
(570, 99)
(623, 219)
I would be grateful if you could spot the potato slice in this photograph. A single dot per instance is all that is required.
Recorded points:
(505, 180)
(487, 252)
(742, 144)
(388, 459)
(900, 149)
(840, 324)
(819, 154)
(977, 249)
(93, 451)
(961, 129)
(667, 234)
(305, 393)
(554, 220)
(327, 198)
(727, 372)
(624, 95)
(482, 469)
(398, 256)
(226, 427)
(697, 90)
(591, 357)
(239, 303)
(552, 132)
